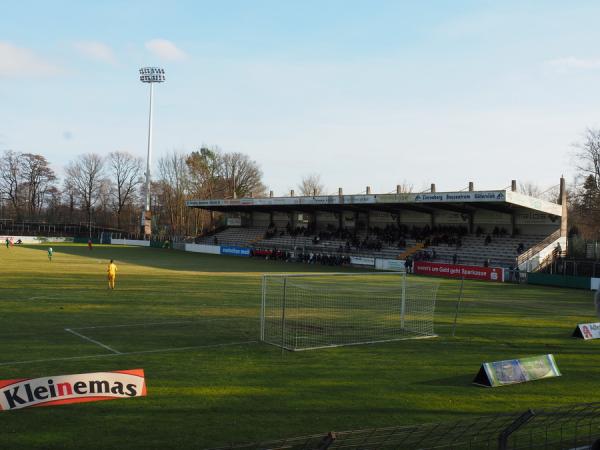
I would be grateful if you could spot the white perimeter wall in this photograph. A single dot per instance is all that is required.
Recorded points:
(137, 242)
(200, 248)
(35, 239)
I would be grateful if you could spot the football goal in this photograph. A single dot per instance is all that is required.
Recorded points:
(309, 311)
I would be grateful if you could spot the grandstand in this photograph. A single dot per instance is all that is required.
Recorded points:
(501, 228)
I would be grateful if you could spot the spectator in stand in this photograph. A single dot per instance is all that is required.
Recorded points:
(216, 241)
(558, 250)
(486, 262)
(520, 248)
(454, 259)
(488, 240)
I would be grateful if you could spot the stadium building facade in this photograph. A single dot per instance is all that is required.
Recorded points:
(510, 219)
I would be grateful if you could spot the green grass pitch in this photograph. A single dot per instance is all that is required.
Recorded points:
(192, 323)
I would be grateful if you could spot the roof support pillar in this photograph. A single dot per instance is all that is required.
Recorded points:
(562, 200)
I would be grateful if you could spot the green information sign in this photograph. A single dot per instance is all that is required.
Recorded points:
(512, 371)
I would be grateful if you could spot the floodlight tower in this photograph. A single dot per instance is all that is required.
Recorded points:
(149, 75)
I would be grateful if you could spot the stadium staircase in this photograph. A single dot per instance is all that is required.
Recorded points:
(411, 250)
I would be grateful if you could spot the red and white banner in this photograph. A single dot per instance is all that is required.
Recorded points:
(588, 331)
(64, 389)
(458, 271)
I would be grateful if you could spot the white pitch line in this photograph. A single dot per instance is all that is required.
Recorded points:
(131, 325)
(197, 321)
(68, 330)
(104, 355)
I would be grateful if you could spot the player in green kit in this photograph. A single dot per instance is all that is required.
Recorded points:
(50, 254)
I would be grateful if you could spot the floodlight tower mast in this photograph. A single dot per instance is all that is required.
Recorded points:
(149, 75)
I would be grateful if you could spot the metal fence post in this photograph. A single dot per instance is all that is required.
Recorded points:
(460, 295)
(514, 426)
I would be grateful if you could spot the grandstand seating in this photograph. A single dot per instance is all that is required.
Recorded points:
(501, 251)
(237, 236)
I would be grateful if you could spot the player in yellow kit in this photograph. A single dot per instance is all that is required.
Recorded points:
(112, 274)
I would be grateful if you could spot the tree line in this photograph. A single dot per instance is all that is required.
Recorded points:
(109, 191)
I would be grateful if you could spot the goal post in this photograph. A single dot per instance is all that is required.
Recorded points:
(317, 310)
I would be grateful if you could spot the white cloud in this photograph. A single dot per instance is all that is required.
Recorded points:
(18, 61)
(97, 51)
(572, 62)
(166, 50)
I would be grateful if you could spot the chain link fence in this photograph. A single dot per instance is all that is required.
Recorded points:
(575, 427)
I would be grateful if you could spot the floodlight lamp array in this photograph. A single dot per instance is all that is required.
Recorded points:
(152, 75)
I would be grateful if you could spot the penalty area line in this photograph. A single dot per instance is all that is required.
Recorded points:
(141, 352)
(68, 330)
(152, 324)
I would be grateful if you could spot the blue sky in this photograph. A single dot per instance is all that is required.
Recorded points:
(364, 93)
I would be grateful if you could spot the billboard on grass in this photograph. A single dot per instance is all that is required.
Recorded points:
(65, 389)
(512, 371)
(587, 331)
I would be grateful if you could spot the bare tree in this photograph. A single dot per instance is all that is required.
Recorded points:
(241, 175)
(38, 178)
(588, 156)
(530, 189)
(125, 170)
(173, 187)
(404, 187)
(204, 168)
(586, 196)
(11, 180)
(85, 175)
(311, 185)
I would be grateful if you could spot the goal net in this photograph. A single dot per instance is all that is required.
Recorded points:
(309, 311)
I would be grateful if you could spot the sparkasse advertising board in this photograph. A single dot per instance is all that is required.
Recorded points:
(458, 271)
(77, 388)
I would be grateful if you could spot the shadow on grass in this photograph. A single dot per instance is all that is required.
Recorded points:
(463, 380)
(169, 259)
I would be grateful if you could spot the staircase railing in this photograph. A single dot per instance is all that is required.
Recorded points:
(528, 254)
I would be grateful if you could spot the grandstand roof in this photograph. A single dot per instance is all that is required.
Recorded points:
(462, 201)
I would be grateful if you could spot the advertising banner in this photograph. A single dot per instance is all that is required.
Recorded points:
(202, 248)
(512, 371)
(65, 389)
(587, 331)
(235, 251)
(234, 221)
(34, 239)
(389, 264)
(362, 261)
(137, 242)
(458, 271)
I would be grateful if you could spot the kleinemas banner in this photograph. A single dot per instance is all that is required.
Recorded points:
(64, 389)
(457, 271)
